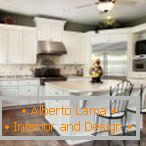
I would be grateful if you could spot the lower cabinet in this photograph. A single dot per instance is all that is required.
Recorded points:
(8, 91)
(20, 88)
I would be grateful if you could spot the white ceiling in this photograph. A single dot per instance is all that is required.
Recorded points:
(66, 9)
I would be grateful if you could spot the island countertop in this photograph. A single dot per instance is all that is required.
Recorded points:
(83, 86)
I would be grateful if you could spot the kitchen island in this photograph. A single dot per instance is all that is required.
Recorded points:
(81, 88)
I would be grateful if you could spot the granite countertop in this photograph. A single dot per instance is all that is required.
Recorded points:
(82, 86)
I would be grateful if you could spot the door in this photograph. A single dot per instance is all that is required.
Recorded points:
(3, 46)
(29, 50)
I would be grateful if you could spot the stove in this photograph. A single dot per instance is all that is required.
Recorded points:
(49, 74)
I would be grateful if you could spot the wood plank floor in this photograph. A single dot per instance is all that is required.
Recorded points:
(16, 115)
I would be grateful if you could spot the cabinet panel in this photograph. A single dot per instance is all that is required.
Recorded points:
(29, 50)
(76, 48)
(8, 91)
(56, 33)
(3, 46)
(15, 47)
(108, 38)
(28, 90)
(29, 82)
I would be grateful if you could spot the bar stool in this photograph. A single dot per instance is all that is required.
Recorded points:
(132, 109)
(123, 88)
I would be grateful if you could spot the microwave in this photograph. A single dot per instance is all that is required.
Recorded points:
(139, 65)
(140, 48)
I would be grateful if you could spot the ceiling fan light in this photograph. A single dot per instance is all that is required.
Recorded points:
(105, 6)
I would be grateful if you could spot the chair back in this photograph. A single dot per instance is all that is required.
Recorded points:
(123, 88)
(142, 97)
(118, 106)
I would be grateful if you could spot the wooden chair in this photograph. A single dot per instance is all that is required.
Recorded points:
(123, 88)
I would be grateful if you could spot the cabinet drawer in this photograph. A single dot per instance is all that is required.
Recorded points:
(28, 91)
(29, 82)
(9, 83)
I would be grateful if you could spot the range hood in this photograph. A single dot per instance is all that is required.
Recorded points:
(51, 48)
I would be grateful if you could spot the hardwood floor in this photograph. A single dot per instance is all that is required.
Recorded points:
(16, 115)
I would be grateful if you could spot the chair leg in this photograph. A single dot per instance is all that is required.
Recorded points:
(97, 122)
(139, 143)
(94, 142)
(109, 132)
(123, 130)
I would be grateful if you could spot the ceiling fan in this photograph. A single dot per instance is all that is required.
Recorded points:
(107, 5)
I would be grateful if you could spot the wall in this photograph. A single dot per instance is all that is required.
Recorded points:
(137, 21)
(28, 21)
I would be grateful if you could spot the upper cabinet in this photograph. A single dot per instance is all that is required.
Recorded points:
(110, 36)
(18, 45)
(29, 51)
(14, 46)
(76, 48)
(50, 29)
(3, 46)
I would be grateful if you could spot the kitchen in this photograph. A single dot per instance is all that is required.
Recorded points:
(48, 59)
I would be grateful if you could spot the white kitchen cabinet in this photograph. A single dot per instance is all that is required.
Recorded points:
(108, 38)
(28, 87)
(76, 49)
(3, 46)
(29, 50)
(18, 45)
(56, 32)
(50, 29)
(9, 91)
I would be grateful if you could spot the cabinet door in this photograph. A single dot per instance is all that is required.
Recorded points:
(29, 50)
(8, 103)
(80, 49)
(3, 46)
(28, 91)
(8, 91)
(69, 42)
(15, 46)
(76, 49)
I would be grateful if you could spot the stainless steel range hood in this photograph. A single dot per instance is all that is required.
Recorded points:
(51, 48)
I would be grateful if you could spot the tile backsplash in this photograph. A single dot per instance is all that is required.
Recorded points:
(52, 62)
(16, 69)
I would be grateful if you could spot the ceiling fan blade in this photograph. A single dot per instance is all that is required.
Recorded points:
(86, 5)
(126, 2)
